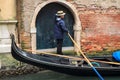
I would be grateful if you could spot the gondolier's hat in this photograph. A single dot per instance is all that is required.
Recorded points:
(60, 13)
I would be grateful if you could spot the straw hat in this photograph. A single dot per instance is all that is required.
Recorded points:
(60, 13)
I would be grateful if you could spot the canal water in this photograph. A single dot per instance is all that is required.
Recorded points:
(50, 75)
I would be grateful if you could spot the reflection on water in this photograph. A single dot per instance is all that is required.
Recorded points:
(50, 75)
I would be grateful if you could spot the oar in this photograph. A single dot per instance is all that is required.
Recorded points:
(101, 78)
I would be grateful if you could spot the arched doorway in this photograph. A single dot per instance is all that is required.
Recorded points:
(72, 9)
(45, 23)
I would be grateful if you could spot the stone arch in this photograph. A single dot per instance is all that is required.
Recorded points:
(76, 27)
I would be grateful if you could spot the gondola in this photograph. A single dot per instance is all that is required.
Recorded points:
(66, 65)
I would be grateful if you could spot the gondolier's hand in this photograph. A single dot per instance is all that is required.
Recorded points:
(67, 31)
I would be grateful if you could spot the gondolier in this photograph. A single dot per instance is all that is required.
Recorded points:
(59, 30)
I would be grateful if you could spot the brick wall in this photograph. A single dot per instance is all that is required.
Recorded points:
(100, 21)
(25, 11)
(100, 28)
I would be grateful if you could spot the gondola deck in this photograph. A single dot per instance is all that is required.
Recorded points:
(65, 65)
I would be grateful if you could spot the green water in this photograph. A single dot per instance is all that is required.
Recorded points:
(50, 75)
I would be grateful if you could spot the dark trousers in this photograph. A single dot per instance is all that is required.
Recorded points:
(59, 46)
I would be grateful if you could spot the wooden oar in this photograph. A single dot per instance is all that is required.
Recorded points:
(72, 57)
(87, 60)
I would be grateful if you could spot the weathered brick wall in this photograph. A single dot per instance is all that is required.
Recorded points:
(100, 21)
(25, 11)
(100, 28)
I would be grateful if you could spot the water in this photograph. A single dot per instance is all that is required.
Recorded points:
(50, 75)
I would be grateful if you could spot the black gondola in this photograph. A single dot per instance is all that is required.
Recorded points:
(66, 65)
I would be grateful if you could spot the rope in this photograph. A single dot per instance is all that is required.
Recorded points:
(96, 63)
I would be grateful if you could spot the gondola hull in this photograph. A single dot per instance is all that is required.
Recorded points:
(63, 65)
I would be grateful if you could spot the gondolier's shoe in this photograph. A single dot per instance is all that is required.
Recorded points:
(60, 53)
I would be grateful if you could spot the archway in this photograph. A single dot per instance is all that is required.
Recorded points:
(70, 7)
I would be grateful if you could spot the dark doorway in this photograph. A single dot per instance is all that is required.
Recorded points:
(45, 24)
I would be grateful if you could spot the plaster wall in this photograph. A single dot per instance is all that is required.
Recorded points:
(7, 9)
